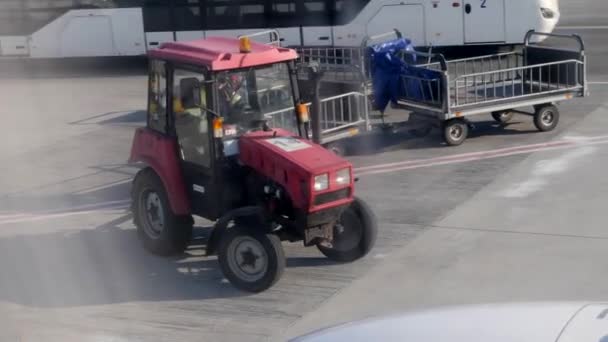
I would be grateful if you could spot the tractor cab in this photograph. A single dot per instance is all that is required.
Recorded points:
(240, 85)
(227, 139)
(242, 100)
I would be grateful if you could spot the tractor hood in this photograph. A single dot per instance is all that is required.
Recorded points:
(280, 145)
(294, 162)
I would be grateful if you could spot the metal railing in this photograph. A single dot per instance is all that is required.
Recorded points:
(330, 57)
(282, 118)
(334, 58)
(343, 111)
(464, 66)
(425, 90)
(516, 83)
(340, 64)
(337, 113)
(274, 38)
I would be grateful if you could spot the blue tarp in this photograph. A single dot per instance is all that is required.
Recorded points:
(387, 69)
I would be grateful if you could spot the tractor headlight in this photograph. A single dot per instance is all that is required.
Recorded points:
(343, 177)
(547, 13)
(321, 182)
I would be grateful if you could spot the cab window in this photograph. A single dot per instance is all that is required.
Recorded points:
(191, 120)
(157, 102)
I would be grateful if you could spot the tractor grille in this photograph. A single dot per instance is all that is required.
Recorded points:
(331, 196)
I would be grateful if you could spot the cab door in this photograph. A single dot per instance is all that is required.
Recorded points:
(484, 21)
(192, 128)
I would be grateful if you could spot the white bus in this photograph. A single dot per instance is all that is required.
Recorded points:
(91, 28)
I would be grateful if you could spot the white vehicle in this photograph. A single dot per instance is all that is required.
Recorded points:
(92, 28)
(525, 322)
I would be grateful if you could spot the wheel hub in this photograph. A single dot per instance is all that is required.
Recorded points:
(347, 232)
(154, 216)
(247, 258)
(547, 118)
(153, 212)
(456, 132)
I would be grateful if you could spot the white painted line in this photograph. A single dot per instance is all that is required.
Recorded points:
(597, 82)
(92, 206)
(582, 138)
(592, 27)
(35, 218)
(12, 215)
(395, 167)
(76, 210)
(543, 168)
(104, 186)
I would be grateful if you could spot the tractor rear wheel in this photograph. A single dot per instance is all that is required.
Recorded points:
(252, 260)
(354, 234)
(161, 231)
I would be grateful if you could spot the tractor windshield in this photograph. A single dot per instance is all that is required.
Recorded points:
(250, 97)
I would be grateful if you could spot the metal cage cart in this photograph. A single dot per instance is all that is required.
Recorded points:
(447, 92)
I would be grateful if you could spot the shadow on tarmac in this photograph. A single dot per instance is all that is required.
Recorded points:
(73, 67)
(98, 197)
(379, 141)
(104, 265)
(114, 118)
(108, 265)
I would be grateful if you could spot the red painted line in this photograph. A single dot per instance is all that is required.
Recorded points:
(523, 148)
(486, 155)
(362, 171)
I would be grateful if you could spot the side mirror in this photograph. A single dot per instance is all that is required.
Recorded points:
(190, 92)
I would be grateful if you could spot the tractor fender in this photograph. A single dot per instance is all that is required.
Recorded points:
(255, 212)
(159, 153)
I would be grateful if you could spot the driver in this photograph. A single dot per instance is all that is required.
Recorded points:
(191, 124)
(233, 96)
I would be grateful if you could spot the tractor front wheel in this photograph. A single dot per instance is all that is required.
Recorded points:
(354, 234)
(252, 260)
(161, 231)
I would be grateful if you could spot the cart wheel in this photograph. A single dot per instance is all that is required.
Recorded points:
(455, 132)
(546, 118)
(503, 116)
(161, 231)
(354, 234)
(251, 260)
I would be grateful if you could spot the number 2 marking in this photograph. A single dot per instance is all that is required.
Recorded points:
(483, 3)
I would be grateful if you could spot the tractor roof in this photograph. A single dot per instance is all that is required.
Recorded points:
(222, 53)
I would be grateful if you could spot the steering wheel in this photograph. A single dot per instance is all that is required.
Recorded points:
(246, 119)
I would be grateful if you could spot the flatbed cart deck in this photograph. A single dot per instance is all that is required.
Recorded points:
(446, 93)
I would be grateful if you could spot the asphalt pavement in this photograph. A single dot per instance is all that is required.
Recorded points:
(511, 215)
(535, 233)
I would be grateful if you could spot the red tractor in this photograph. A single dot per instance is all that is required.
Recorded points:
(227, 139)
